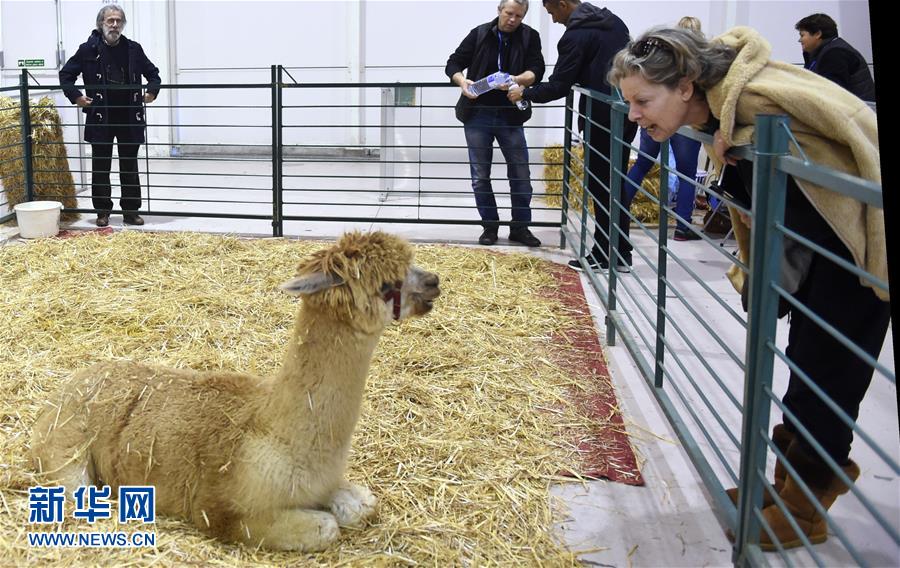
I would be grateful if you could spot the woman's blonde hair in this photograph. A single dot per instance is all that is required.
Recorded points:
(665, 56)
(690, 23)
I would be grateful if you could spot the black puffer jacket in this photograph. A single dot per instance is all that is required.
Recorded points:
(842, 63)
(89, 62)
(592, 38)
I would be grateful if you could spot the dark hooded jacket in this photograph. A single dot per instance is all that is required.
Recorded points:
(92, 61)
(839, 61)
(592, 38)
(521, 51)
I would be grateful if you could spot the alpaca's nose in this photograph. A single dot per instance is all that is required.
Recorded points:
(431, 286)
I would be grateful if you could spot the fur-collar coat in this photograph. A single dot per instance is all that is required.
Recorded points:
(834, 128)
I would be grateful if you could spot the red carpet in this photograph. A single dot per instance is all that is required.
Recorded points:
(605, 449)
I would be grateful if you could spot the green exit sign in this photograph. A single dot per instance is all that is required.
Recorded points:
(31, 63)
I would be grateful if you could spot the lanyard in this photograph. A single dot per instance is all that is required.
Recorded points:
(499, 50)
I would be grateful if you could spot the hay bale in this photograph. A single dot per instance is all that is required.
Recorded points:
(645, 210)
(52, 177)
(553, 170)
(460, 431)
(642, 207)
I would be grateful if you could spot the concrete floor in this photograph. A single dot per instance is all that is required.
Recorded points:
(668, 522)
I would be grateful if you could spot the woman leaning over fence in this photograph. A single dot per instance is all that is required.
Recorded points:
(673, 78)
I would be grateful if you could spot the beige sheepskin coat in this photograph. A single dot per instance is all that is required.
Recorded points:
(834, 128)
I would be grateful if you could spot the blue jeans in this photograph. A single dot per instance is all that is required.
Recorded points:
(482, 128)
(686, 152)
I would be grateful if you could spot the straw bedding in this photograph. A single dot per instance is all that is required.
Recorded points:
(52, 178)
(642, 207)
(460, 432)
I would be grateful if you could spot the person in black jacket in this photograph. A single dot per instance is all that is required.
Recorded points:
(592, 38)
(825, 54)
(105, 60)
(503, 44)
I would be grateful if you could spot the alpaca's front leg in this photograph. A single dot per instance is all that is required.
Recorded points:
(352, 504)
(303, 530)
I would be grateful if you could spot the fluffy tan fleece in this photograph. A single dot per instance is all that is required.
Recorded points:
(834, 128)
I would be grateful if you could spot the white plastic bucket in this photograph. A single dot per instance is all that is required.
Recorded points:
(38, 219)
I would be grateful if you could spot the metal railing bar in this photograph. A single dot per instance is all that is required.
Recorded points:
(807, 493)
(333, 146)
(402, 220)
(169, 186)
(218, 174)
(202, 214)
(865, 191)
(845, 418)
(326, 159)
(696, 455)
(793, 524)
(833, 332)
(835, 469)
(417, 127)
(163, 86)
(695, 351)
(397, 177)
(846, 265)
(724, 509)
(702, 282)
(713, 445)
(734, 357)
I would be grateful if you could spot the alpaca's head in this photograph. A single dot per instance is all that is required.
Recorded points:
(365, 279)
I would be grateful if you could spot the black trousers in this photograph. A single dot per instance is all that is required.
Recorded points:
(839, 298)
(598, 186)
(101, 164)
(836, 296)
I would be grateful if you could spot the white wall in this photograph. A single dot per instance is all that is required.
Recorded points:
(191, 41)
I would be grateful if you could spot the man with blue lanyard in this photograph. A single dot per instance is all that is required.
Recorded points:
(503, 44)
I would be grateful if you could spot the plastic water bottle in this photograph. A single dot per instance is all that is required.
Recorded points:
(495, 81)
(489, 83)
(520, 104)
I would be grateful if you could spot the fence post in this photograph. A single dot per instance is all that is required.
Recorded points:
(662, 259)
(277, 179)
(616, 130)
(566, 171)
(25, 108)
(585, 192)
(765, 268)
(387, 155)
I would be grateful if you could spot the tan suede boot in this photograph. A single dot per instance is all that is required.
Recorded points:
(782, 438)
(824, 485)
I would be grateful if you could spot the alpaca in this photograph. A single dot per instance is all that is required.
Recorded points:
(258, 460)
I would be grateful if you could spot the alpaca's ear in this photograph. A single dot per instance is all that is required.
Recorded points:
(310, 284)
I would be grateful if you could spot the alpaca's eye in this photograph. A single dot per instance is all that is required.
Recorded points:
(387, 287)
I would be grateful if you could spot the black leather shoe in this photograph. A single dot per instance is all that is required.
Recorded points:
(525, 237)
(102, 219)
(134, 220)
(488, 237)
(686, 235)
